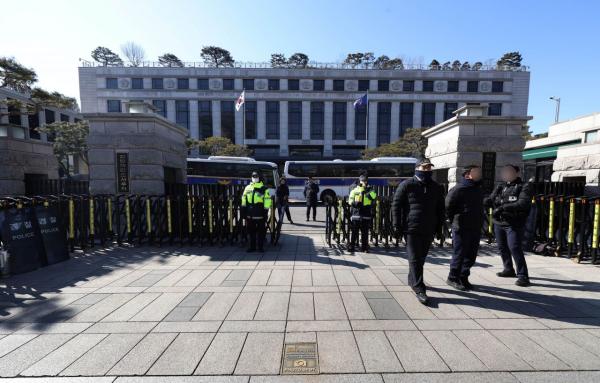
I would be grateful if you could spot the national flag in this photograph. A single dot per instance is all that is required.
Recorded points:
(240, 101)
(363, 100)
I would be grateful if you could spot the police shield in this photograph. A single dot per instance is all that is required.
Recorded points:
(52, 233)
(21, 236)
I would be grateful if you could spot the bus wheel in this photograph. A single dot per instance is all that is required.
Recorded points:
(328, 196)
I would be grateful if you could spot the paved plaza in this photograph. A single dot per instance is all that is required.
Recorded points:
(212, 314)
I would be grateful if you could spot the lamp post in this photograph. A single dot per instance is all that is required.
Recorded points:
(557, 113)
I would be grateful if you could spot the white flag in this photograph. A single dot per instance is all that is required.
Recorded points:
(240, 101)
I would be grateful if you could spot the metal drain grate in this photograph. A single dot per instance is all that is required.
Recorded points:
(300, 359)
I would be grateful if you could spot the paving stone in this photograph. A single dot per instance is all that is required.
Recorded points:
(59, 359)
(183, 354)
(53, 328)
(302, 278)
(110, 379)
(217, 307)
(159, 308)
(563, 376)
(301, 307)
(454, 353)
(338, 378)
(131, 308)
(232, 283)
(411, 306)
(181, 314)
(377, 294)
(173, 278)
(382, 325)
(493, 353)
(259, 278)
(245, 306)
(14, 341)
(216, 278)
(183, 379)
(414, 352)
(280, 278)
(583, 339)
(195, 300)
(197, 326)
(99, 359)
(455, 377)
(447, 324)
(323, 278)
(21, 358)
(567, 351)
(273, 306)
(529, 351)
(90, 299)
(143, 355)
(338, 353)
(505, 324)
(239, 275)
(329, 306)
(300, 337)
(253, 326)
(386, 309)
(366, 278)
(356, 306)
(101, 309)
(376, 352)
(194, 278)
(121, 327)
(261, 354)
(149, 279)
(64, 313)
(222, 355)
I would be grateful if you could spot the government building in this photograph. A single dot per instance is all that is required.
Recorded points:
(305, 113)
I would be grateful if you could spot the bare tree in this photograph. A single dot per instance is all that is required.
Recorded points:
(134, 53)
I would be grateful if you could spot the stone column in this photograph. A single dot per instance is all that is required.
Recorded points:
(395, 121)
(261, 120)
(239, 126)
(194, 123)
(417, 112)
(42, 122)
(372, 129)
(283, 128)
(25, 122)
(216, 117)
(350, 121)
(170, 110)
(328, 133)
(305, 120)
(439, 112)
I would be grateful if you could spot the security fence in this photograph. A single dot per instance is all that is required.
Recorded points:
(79, 222)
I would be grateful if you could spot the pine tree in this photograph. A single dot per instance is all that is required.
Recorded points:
(106, 57)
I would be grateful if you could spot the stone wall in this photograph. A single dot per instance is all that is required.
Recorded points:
(152, 143)
(19, 157)
(579, 161)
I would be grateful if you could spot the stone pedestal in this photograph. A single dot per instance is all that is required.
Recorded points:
(577, 162)
(131, 152)
(473, 137)
(21, 157)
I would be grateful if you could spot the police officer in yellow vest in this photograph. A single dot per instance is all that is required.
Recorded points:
(256, 202)
(361, 199)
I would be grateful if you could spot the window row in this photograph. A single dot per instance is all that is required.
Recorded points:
(318, 85)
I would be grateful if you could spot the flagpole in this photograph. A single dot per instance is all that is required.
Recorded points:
(367, 124)
(244, 118)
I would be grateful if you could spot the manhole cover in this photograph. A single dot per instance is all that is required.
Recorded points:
(300, 358)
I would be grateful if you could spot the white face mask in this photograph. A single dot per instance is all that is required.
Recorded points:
(255, 179)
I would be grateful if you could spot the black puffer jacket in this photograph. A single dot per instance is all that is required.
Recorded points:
(311, 193)
(282, 193)
(464, 206)
(511, 202)
(418, 207)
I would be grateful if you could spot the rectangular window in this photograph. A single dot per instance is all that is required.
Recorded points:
(339, 120)
(360, 122)
(452, 86)
(34, 123)
(202, 84)
(338, 85)
(472, 86)
(383, 85)
(111, 83)
(182, 113)
(65, 117)
(273, 84)
(294, 120)
(317, 120)
(384, 122)
(183, 83)
(591, 136)
(408, 86)
(250, 119)
(406, 116)
(205, 124)
(449, 109)
(14, 114)
(248, 83)
(161, 107)
(428, 115)
(228, 84)
(495, 109)
(50, 116)
(427, 86)
(293, 84)
(157, 83)
(363, 85)
(318, 84)
(228, 120)
(497, 86)
(112, 106)
(272, 120)
(137, 83)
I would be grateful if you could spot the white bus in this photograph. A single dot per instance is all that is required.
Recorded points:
(335, 177)
(223, 170)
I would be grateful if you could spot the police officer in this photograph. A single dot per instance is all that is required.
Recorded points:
(361, 199)
(464, 208)
(256, 202)
(311, 193)
(418, 213)
(511, 201)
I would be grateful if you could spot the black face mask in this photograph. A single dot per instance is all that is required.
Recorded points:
(424, 175)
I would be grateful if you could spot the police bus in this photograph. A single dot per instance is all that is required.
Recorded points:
(224, 170)
(335, 177)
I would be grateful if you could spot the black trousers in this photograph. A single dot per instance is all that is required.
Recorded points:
(465, 244)
(417, 247)
(510, 243)
(284, 207)
(361, 225)
(256, 230)
(314, 211)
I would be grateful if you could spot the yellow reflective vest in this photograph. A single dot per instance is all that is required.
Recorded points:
(256, 199)
(362, 199)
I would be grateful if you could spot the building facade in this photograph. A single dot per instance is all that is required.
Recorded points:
(303, 113)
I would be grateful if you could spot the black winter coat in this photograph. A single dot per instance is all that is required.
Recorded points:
(282, 193)
(464, 206)
(418, 207)
(511, 202)
(311, 192)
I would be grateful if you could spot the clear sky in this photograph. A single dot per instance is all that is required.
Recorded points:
(559, 40)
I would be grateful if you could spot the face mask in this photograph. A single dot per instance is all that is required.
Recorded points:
(255, 179)
(424, 175)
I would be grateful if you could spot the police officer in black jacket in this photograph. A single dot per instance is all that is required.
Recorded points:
(511, 202)
(464, 208)
(418, 213)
